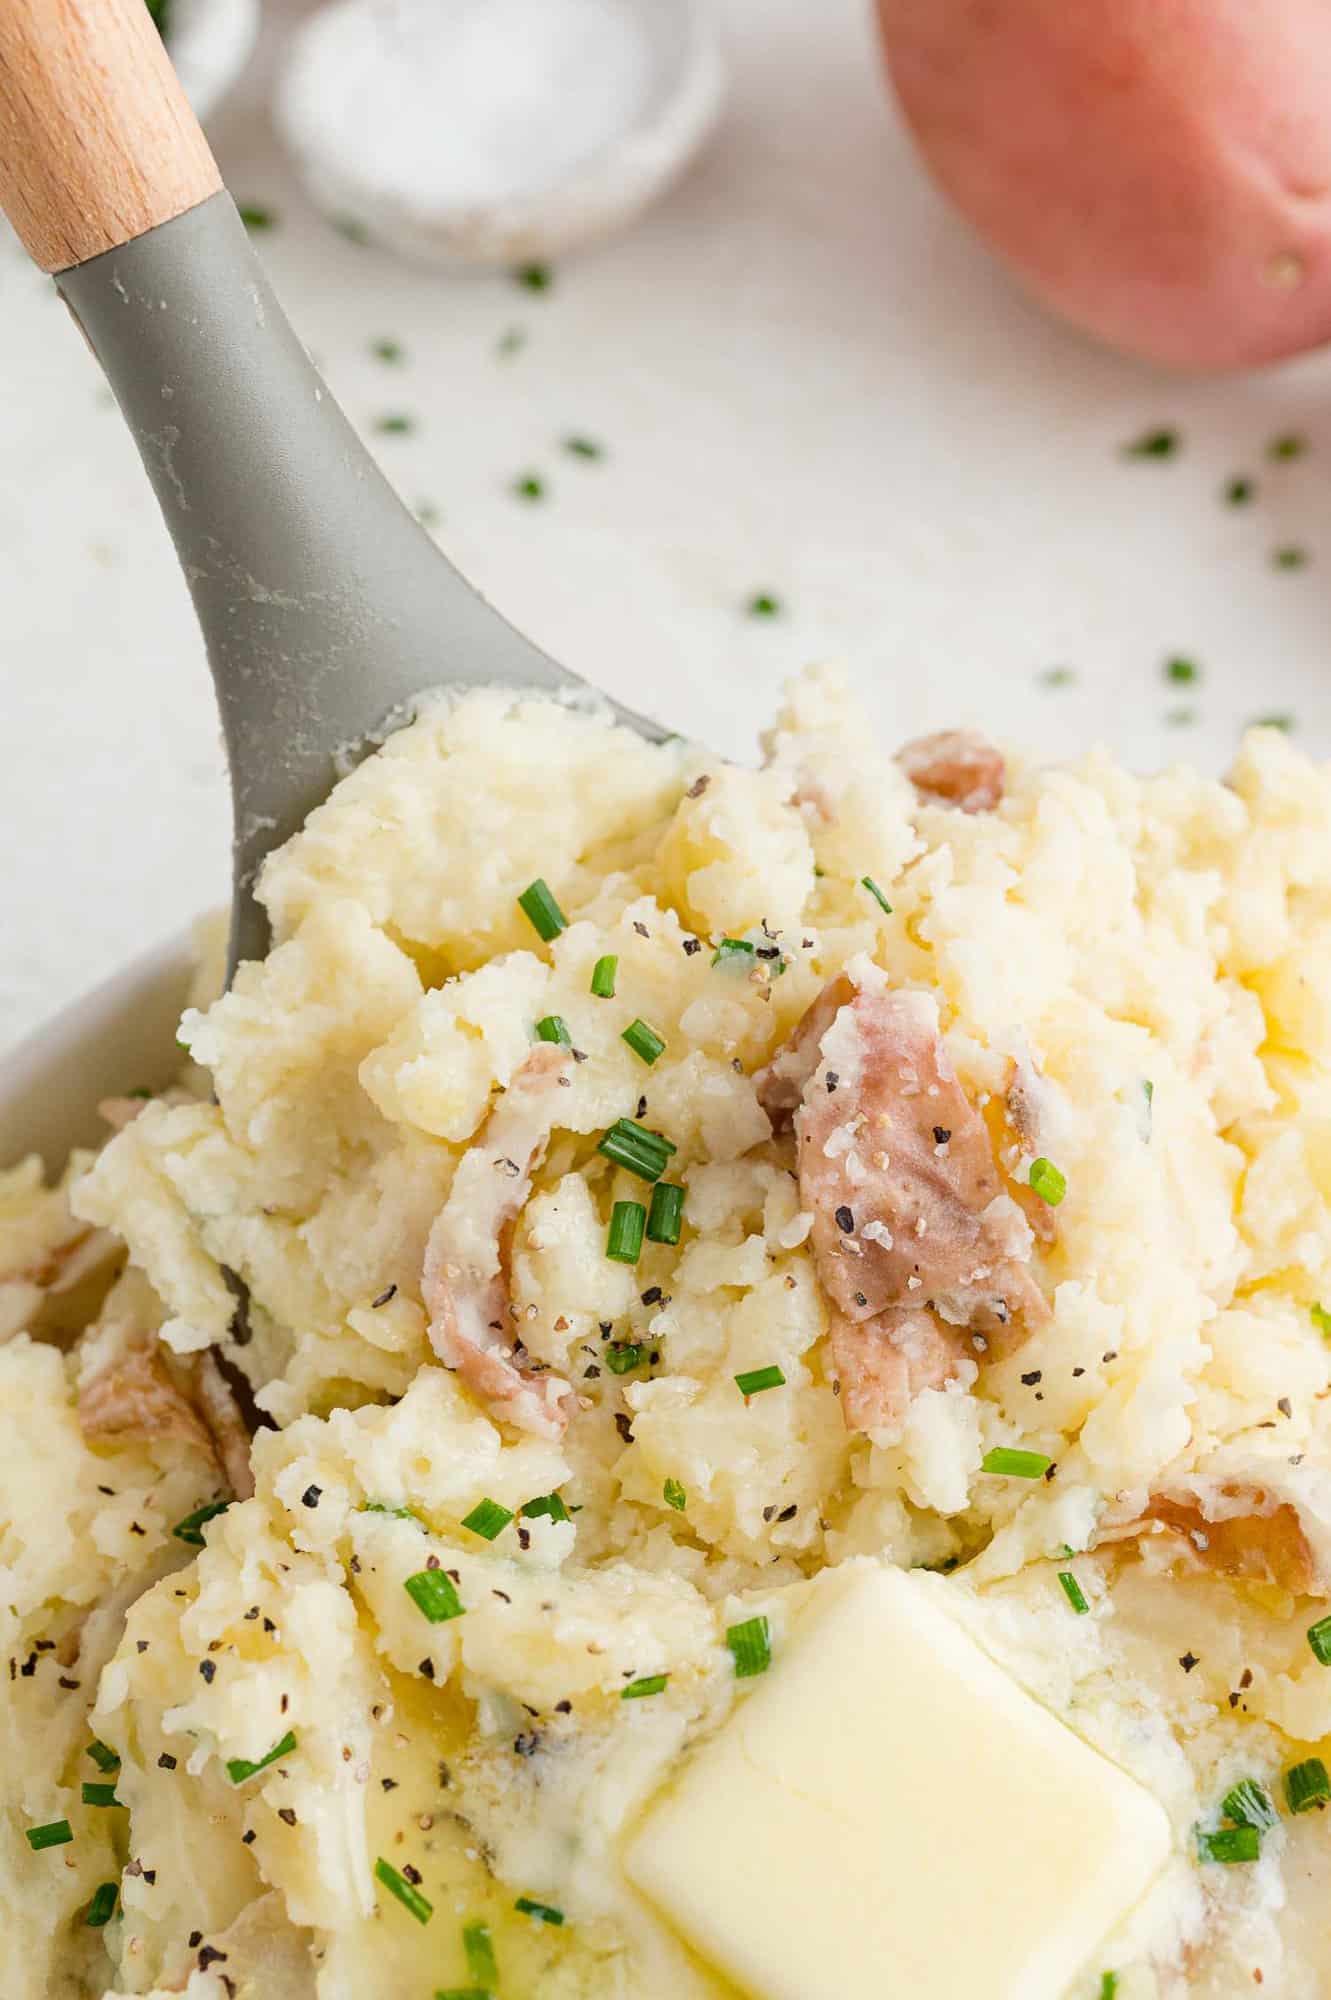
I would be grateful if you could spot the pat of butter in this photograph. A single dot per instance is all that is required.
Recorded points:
(889, 1813)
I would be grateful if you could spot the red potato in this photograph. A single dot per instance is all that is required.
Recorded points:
(1159, 171)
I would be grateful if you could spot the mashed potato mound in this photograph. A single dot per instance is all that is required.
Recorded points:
(999, 1099)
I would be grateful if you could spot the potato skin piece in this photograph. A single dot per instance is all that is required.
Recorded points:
(1157, 171)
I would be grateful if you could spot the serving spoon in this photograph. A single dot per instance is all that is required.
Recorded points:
(326, 609)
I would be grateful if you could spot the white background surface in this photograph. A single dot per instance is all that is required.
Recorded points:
(808, 378)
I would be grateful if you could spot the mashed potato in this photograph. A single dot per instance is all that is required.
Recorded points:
(359, 1694)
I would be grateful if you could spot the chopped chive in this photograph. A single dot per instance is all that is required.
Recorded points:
(1056, 677)
(188, 1529)
(666, 1213)
(1160, 443)
(750, 1647)
(1289, 556)
(674, 1495)
(1230, 1844)
(644, 1041)
(463, 1993)
(1279, 720)
(542, 911)
(754, 1380)
(1321, 1319)
(511, 341)
(383, 1507)
(649, 1684)
(1290, 445)
(487, 1519)
(141, 1091)
(583, 447)
(103, 1756)
(1009, 1463)
(1108, 1985)
(1180, 669)
(395, 423)
(254, 217)
(554, 1028)
(100, 1795)
(56, 1833)
(529, 486)
(102, 1905)
(603, 977)
(391, 351)
(1319, 1638)
(434, 1592)
(1238, 492)
(734, 951)
(623, 1356)
(1249, 1804)
(547, 1912)
(631, 1145)
(1074, 1593)
(546, 1506)
(1307, 1785)
(397, 1885)
(479, 1947)
(628, 1220)
(764, 605)
(238, 1769)
(867, 882)
(535, 277)
(1047, 1182)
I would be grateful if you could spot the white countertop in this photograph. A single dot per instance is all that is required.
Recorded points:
(808, 378)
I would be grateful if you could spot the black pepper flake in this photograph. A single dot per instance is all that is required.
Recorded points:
(445, 1776)
(527, 1744)
(698, 787)
(135, 1529)
(1051, 1470)
(268, 1625)
(140, 1645)
(388, 1784)
(354, 1564)
(860, 1299)
(426, 1667)
(941, 1135)
(43, 1645)
(641, 1111)
(311, 1496)
(607, 1327)
(253, 1612)
(389, 1292)
(788, 1513)
(166, 1762)
(208, 1668)
(1245, 1678)
(1112, 1355)
(563, 1708)
(412, 1875)
(1076, 1372)
(432, 1561)
(1187, 1661)
(66, 1682)
(1035, 1375)
(692, 945)
(845, 1220)
(1285, 1407)
(150, 1876)
(591, 1374)
(624, 1425)
(194, 1940)
(287, 1814)
(247, 1838)
(641, 929)
(502, 1595)
(832, 1080)
(768, 1513)
(652, 1295)
(109, 1491)
(524, 1539)
(1232, 1699)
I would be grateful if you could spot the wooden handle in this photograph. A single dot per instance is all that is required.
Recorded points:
(97, 140)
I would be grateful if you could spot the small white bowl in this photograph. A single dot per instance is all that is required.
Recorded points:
(497, 132)
(210, 42)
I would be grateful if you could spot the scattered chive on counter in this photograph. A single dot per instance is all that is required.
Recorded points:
(1249, 1804)
(478, 1946)
(1162, 442)
(674, 1495)
(867, 882)
(255, 217)
(487, 1519)
(754, 1380)
(397, 1885)
(188, 1529)
(1307, 1785)
(394, 423)
(1180, 668)
(628, 1224)
(645, 1043)
(649, 1684)
(1319, 1638)
(1074, 1593)
(1280, 719)
(535, 277)
(546, 1506)
(529, 486)
(1007, 1462)
(434, 1592)
(542, 912)
(390, 351)
(102, 1905)
(1290, 555)
(750, 1646)
(56, 1833)
(1288, 445)
(665, 1216)
(1047, 1182)
(238, 1769)
(603, 977)
(1239, 491)
(545, 1913)
(583, 447)
(764, 605)
(1229, 1844)
(1056, 677)
(554, 1028)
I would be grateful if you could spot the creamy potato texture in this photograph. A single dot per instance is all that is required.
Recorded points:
(504, 1480)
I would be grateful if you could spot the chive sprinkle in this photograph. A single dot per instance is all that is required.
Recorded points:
(382, 1507)
(1074, 1593)
(1108, 1985)
(188, 1529)
(546, 1506)
(1249, 1804)
(583, 447)
(674, 1495)
(1289, 556)
(666, 1213)
(487, 1519)
(623, 1356)
(1047, 1182)
(546, 1912)
(1319, 1638)
(397, 1885)
(867, 882)
(103, 1756)
(603, 977)
(529, 486)
(1307, 1785)
(479, 1947)
(628, 1221)
(100, 1795)
(535, 277)
(434, 1593)
(1321, 1319)
(649, 1684)
(256, 218)
(1290, 445)
(395, 423)
(554, 1028)
(630, 1145)
(390, 351)
(1008, 1463)
(1239, 491)
(1181, 669)
(1160, 443)
(754, 1380)
(734, 951)
(102, 1905)
(463, 1993)
(764, 605)
(750, 1646)
(644, 1041)
(1230, 1844)
(542, 911)
(56, 1833)
(238, 1769)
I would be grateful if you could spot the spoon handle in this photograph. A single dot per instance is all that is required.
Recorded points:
(98, 143)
